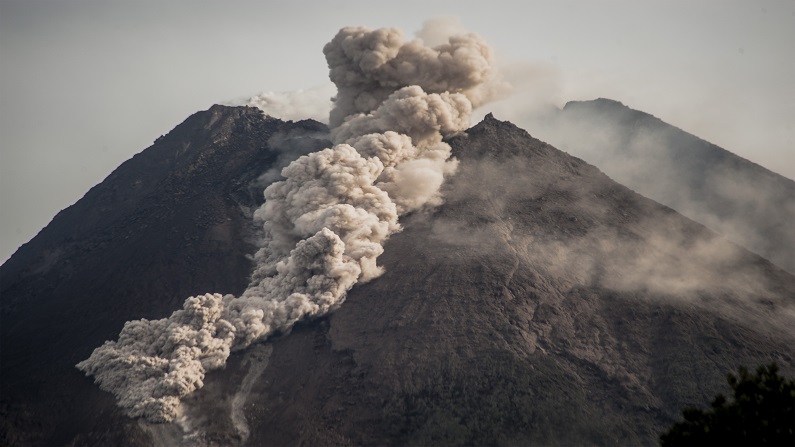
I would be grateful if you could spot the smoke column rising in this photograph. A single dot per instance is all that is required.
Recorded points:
(326, 223)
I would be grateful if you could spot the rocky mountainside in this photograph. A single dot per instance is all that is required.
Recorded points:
(744, 201)
(541, 303)
(170, 222)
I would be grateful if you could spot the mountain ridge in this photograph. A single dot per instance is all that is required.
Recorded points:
(607, 103)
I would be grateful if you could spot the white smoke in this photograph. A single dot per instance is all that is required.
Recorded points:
(313, 103)
(154, 363)
(289, 145)
(437, 30)
(326, 223)
(368, 66)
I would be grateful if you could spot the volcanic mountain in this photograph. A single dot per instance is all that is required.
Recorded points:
(542, 302)
(747, 203)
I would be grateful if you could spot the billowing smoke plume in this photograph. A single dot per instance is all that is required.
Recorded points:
(326, 223)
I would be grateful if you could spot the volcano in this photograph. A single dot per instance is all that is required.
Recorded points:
(541, 302)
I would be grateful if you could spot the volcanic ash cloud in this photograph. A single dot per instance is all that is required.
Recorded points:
(326, 223)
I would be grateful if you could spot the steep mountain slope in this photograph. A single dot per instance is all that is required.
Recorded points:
(542, 302)
(731, 195)
(170, 222)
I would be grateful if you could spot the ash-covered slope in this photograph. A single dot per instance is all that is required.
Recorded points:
(171, 222)
(541, 303)
(731, 195)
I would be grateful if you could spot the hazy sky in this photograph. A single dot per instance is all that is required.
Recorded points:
(85, 84)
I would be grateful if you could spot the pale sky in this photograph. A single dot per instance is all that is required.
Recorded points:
(86, 84)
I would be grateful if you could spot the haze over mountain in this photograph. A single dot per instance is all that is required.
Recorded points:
(747, 203)
(522, 297)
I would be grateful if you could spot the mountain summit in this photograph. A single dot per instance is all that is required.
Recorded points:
(541, 302)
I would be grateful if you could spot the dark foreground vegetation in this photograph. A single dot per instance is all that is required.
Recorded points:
(760, 412)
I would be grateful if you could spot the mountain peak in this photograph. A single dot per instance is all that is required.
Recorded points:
(489, 121)
(605, 102)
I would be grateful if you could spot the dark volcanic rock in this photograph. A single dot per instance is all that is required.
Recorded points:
(508, 316)
(542, 303)
(171, 222)
(731, 195)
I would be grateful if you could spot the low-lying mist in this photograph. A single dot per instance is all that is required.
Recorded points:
(745, 202)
